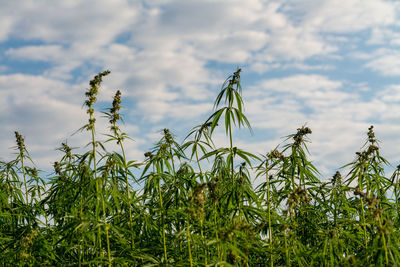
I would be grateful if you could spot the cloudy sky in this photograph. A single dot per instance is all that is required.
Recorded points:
(332, 65)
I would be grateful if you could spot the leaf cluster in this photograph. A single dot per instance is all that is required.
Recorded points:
(195, 204)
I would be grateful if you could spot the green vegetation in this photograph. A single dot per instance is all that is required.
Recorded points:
(197, 205)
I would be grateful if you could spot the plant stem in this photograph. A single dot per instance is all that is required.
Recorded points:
(286, 250)
(384, 242)
(201, 220)
(106, 228)
(216, 231)
(363, 212)
(24, 175)
(97, 195)
(203, 241)
(163, 223)
(95, 178)
(269, 215)
(189, 246)
(128, 194)
(231, 149)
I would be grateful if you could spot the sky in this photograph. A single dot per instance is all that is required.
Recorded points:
(333, 66)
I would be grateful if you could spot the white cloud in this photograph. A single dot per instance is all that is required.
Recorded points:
(40, 52)
(387, 64)
(384, 61)
(37, 107)
(292, 43)
(384, 36)
(97, 22)
(6, 21)
(345, 16)
(339, 119)
(390, 94)
(299, 85)
(47, 112)
(282, 104)
(166, 57)
(173, 110)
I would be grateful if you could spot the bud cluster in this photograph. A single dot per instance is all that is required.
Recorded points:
(275, 154)
(114, 111)
(301, 132)
(91, 95)
(372, 203)
(20, 143)
(298, 197)
(337, 178)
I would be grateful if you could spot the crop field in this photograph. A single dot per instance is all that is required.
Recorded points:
(196, 204)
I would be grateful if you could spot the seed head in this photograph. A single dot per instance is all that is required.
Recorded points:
(360, 193)
(337, 178)
(107, 168)
(371, 134)
(148, 155)
(213, 189)
(168, 137)
(197, 201)
(66, 149)
(298, 197)
(57, 167)
(301, 132)
(20, 142)
(116, 106)
(163, 147)
(235, 77)
(362, 155)
(275, 154)
(372, 148)
(91, 95)
(33, 172)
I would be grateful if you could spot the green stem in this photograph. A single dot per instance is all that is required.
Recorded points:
(198, 163)
(286, 250)
(293, 171)
(24, 175)
(80, 256)
(163, 223)
(128, 194)
(363, 223)
(386, 249)
(269, 217)
(363, 213)
(172, 160)
(102, 196)
(106, 228)
(189, 246)
(231, 150)
(201, 220)
(384, 242)
(97, 182)
(324, 252)
(216, 231)
(204, 243)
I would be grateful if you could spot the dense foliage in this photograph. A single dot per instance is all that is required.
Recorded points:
(194, 204)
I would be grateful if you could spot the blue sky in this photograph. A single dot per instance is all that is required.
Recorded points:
(332, 65)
